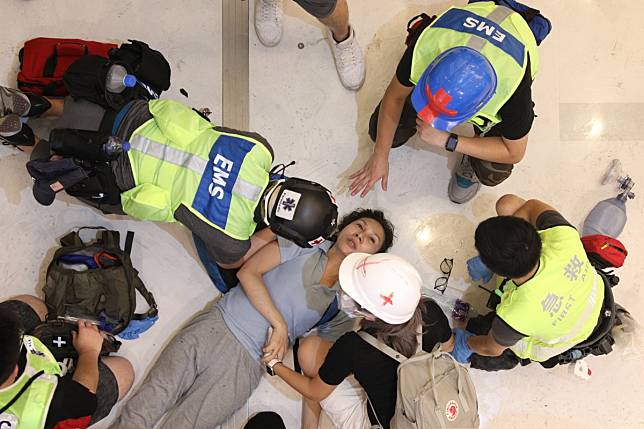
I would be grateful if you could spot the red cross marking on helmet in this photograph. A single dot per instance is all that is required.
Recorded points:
(363, 266)
(436, 104)
(387, 299)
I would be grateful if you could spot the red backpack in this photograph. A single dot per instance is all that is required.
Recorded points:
(604, 251)
(43, 62)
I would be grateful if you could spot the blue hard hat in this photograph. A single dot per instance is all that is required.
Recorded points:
(454, 87)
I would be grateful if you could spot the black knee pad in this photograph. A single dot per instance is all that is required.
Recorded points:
(81, 144)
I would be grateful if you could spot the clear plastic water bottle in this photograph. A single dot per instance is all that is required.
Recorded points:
(114, 147)
(608, 217)
(118, 79)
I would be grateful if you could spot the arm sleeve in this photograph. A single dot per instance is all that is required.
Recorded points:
(336, 327)
(550, 219)
(503, 333)
(517, 114)
(71, 401)
(288, 249)
(437, 329)
(338, 363)
(403, 71)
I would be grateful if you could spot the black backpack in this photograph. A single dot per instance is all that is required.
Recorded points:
(96, 281)
(85, 78)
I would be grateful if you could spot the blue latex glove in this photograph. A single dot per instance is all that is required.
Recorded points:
(461, 351)
(478, 270)
(137, 327)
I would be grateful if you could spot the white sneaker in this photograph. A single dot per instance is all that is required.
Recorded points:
(349, 61)
(268, 21)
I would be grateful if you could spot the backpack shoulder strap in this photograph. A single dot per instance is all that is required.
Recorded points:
(149, 298)
(129, 239)
(138, 283)
(382, 346)
(419, 338)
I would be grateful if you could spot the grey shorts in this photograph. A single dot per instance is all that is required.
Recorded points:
(318, 8)
(107, 392)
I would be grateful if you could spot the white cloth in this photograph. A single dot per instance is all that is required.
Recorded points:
(347, 405)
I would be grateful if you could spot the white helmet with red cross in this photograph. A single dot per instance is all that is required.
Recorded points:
(384, 284)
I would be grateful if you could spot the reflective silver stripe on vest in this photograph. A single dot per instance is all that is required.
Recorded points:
(247, 190)
(497, 16)
(544, 353)
(169, 154)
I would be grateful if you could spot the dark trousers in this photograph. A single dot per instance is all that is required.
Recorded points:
(481, 325)
(488, 173)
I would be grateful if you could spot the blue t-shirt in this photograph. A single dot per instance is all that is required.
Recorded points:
(294, 287)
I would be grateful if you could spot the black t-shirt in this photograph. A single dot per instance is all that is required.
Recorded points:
(72, 402)
(517, 113)
(503, 333)
(374, 370)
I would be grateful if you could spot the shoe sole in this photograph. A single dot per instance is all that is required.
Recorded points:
(10, 125)
(14, 102)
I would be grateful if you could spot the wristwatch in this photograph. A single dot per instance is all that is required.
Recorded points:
(452, 141)
(270, 365)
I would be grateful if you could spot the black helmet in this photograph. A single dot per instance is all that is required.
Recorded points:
(304, 212)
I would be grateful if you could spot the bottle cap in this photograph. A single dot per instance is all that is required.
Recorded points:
(129, 80)
(126, 146)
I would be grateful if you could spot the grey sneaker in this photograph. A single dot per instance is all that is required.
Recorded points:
(13, 101)
(464, 184)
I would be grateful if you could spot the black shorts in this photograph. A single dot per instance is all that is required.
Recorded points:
(318, 8)
(71, 399)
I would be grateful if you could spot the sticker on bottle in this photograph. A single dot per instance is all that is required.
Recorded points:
(287, 204)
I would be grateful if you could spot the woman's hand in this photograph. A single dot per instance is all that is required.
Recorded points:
(363, 180)
(431, 135)
(277, 344)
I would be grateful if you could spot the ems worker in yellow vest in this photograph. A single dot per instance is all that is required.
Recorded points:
(176, 167)
(34, 394)
(471, 65)
(550, 295)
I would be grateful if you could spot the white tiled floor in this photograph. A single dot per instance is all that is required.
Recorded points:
(593, 57)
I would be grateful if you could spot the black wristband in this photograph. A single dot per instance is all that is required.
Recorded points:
(451, 142)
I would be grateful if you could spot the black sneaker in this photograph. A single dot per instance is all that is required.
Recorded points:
(22, 103)
(14, 132)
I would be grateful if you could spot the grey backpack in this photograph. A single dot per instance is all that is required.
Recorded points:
(434, 391)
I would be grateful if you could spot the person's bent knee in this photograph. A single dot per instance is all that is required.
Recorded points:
(507, 205)
(37, 304)
(311, 354)
(123, 372)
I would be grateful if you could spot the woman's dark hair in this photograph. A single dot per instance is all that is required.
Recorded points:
(402, 337)
(10, 335)
(508, 245)
(376, 215)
